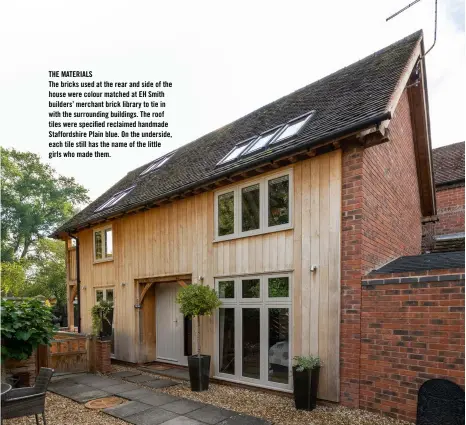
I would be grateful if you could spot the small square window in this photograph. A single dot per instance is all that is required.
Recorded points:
(293, 128)
(251, 288)
(226, 289)
(278, 287)
(235, 152)
(262, 141)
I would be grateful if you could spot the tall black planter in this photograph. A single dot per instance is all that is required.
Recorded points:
(305, 386)
(199, 370)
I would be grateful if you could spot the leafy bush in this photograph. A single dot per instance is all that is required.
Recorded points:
(99, 313)
(196, 301)
(307, 362)
(26, 324)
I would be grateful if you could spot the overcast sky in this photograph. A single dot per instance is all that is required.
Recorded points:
(224, 61)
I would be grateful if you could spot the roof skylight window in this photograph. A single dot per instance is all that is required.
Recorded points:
(235, 152)
(115, 199)
(262, 141)
(293, 127)
(157, 164)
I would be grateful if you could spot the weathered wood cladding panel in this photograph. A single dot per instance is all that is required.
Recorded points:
(177, 238)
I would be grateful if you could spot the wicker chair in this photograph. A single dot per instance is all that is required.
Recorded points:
(28, 401)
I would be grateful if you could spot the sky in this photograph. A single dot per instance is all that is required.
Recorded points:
(224, 59)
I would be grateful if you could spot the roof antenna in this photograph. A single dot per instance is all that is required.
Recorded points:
(402, 10)
(435, 30)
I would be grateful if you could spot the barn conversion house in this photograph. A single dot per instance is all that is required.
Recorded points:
(283, 211)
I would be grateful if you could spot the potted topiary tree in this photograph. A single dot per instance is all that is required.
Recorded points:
(197, 301)
(306, 381)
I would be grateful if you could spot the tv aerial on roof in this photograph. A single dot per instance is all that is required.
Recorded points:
(407, 7)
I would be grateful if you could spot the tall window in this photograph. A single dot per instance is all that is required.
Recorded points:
(253, 335)
(258, 206)
(108, 329)
(103, 244)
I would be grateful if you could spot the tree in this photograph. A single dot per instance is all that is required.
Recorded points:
(34, 200)
(47, 271)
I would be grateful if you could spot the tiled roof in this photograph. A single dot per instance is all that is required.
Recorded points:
(448, 163)
(348, 100)
(434, 261)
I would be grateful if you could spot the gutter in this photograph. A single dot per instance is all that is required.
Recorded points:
(78, 280)
(375, 120)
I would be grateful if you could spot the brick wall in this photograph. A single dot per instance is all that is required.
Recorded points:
(450, 210)
(391, 205)
(24, 370)
(102, 356)
(411, 331)
(351, 236)
(380, 221)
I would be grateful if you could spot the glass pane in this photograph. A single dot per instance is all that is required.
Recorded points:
(292, 129)
(110, 295)
(226, 289)
(226, 334)
(108, 243)
(250, 207)
(279, 211)
(279, 287)
(279, 347)
(251, 342)
(251, 288)
(262, 141)
(226, 214)
(98, 245)
(235, 152)
(99, 295)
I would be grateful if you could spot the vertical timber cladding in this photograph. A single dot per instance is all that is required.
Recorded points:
(314, 240)
(177, 239)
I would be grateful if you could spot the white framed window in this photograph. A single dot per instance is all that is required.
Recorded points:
(115, 199)
(103, 244)
(258, 206)
(253, 335)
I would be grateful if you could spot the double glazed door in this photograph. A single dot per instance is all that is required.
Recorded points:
(170, 325)
(108, 328)
(253, 340)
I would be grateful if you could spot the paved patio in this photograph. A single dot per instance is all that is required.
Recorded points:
(145, 406)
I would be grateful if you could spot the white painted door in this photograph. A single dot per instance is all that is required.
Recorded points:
(170, 325)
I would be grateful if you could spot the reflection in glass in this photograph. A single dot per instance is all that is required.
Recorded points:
(250, 208)
(251, 288)
(279, 346)
(227, 340)
(99, 295)
(108, 243)
(251, 342)
(279, 211)
(226, 289)
(98, 245)
(279, 287)
(226, 214)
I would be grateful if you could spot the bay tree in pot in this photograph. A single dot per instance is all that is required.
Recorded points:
(196, 301)
(306, 381)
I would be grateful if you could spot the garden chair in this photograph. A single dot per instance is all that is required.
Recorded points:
(28, 401)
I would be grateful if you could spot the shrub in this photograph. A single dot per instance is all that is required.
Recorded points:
(307, 362)
(197, 301)
(99, 313)
(26, 324)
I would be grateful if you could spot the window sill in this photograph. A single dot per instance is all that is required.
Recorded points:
(105, 260)
(281, 228)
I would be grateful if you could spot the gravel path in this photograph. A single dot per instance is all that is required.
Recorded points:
(60, 411)
(278, 409)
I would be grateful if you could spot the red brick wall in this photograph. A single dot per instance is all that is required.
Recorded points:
(380, 221)
(391, 206)
(351, 237)
(102, 356)
(450, 210)
(411, 332)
